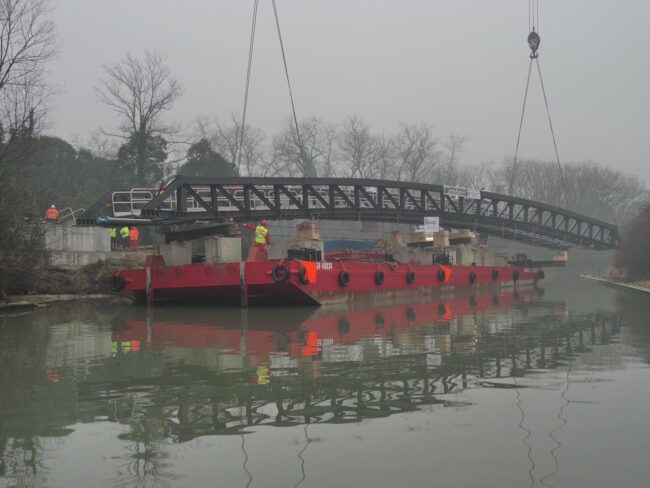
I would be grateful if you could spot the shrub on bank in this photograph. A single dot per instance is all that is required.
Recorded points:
(23, 257)
(634, 255)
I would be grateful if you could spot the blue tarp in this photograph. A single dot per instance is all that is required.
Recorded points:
(349, 244)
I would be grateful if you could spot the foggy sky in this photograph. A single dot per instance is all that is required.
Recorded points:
(459, 65)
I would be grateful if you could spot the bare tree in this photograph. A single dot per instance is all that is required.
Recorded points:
(454, 145)
(101, 144)
(225, 139)
(415, 152)
(27, 43)
(364, 154)
(315, 157)
(140, 91)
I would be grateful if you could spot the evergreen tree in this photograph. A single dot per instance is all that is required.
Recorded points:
(202, 160)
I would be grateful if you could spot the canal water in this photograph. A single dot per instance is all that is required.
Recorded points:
(532, 387)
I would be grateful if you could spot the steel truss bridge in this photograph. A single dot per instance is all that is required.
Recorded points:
(201, 199)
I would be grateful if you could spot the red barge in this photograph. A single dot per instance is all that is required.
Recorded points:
(316, 276)
(298, 282)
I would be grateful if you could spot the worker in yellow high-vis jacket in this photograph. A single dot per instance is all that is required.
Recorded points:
(262, 234)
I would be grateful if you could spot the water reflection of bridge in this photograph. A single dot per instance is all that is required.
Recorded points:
(244, 377)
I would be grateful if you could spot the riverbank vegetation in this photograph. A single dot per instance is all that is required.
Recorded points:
(633, 259)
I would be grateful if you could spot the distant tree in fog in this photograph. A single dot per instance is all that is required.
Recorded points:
(633, 256)
(224, 138)
(363, 154)
(140, 91)
(317, 155)
(454, 146)
(415, 153)
(202, 160)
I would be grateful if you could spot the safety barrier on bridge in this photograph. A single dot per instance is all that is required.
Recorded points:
(191, 199)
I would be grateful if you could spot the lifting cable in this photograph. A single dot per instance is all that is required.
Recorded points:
(286, 72)
(248, 81)
(303, 157)
(533, 44)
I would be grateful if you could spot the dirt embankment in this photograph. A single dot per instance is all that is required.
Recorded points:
(60, 284)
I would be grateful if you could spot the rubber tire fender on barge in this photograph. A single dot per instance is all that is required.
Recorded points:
(410, 276)
(344, 278)
(379, 277)
(442, 275)
(495, 274)
(541, 274)
(472, 277)
(280, 273)
(302, 276)
(118, 283)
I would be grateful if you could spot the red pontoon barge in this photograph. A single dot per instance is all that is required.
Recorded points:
(298, 282)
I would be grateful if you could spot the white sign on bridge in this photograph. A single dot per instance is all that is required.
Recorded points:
(431, 225)
(461, 191)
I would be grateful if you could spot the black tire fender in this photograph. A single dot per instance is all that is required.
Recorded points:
(344, 278)
(379, 277)
(118, 283)
(379, 320)
(472, 276)
(495, 274)
(411, 315)
(344, 326)
(442, 276)
(280, 273)
(410, 276)
(542, 275)
(302, 276)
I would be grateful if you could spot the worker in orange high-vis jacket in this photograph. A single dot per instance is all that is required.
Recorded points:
(52, 214)
(262, 234)
(134, 234)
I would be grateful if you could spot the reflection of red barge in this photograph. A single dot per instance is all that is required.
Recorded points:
(295, 282)
(263, 333)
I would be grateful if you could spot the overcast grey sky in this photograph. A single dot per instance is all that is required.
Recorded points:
(459, 65)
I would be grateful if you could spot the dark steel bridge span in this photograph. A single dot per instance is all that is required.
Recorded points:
(198, 199)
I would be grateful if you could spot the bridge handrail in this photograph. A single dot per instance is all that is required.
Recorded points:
(69, 214)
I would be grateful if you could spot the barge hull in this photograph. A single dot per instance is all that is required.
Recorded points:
(256, 283)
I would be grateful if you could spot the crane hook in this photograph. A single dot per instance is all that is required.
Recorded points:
(533, 43)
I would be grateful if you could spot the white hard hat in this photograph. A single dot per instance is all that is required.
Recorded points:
(53, 206)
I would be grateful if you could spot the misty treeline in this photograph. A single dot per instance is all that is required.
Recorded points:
(414, 152)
